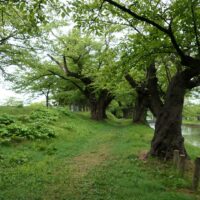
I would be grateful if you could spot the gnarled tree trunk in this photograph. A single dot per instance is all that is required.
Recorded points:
(141, 103)
(141, 106)
(148, 95)
(168, 135)
(98, 111)
(98, 105)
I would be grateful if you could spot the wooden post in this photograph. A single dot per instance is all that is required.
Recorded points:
(176, 158)
(182, 164)
(196, 176)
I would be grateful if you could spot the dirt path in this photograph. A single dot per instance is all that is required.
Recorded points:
(76, 169)
(83, 163)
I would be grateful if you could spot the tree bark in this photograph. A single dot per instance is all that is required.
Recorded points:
(141, 105)
(99, 104)
(168, 136)
(148, 95)
(98, 111)
(47, 99)
(154, 101)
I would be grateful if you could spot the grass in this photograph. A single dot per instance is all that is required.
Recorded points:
(191, 122)
(89, 160)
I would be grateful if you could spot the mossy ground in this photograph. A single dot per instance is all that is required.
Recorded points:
(89, 160)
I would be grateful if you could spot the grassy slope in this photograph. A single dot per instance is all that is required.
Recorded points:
(189, 122)
(88, 160)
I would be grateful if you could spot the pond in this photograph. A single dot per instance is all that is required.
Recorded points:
(191, 133)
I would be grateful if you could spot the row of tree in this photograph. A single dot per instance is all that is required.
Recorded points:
(152, 45)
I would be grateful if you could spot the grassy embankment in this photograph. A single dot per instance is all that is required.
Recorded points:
(191, 122)
(88, 160)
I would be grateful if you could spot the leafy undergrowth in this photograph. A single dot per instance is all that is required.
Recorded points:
(36, 125)
(88, 160)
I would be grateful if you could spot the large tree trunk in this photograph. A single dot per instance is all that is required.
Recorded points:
(98, 111)
(148, 95)
(168, 136)
(141, 104)
(99, 105)
(142, 100)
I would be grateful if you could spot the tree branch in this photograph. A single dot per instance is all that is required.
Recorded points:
(168, 31)
(3, 40)
(133, 14)
(67, 79)
(65, 68)
(195, 28)
(57, 62)
(131, 81)
(152, 84)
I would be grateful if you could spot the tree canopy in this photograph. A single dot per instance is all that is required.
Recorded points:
(145, 53)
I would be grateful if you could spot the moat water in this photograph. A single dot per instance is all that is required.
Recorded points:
(191, 133)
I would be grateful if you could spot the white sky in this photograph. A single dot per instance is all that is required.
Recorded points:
(6, 93)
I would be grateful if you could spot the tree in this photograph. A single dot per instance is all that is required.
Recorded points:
(83, 59)
(67, 94)
(147, 95)
(168, 124)
(36, 84)
(178, 29)
(19, 21)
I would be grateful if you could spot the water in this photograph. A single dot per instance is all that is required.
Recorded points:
(191, 133)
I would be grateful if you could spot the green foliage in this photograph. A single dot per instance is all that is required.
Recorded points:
(6, 119)
(18, 132)
(191, 112)
(96, 160)
(33, 126)
(39, 130)
(43, 115)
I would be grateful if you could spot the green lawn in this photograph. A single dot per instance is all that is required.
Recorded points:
(88, 160)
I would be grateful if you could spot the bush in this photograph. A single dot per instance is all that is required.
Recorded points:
(13, 130)
(16, 129)
(44, 115)
(24, 118)
(6, 119)
(41, 131)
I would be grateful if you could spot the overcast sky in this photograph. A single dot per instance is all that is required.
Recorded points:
(6, 93)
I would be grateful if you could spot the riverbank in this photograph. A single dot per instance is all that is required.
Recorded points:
(191, 123)
(89, 160)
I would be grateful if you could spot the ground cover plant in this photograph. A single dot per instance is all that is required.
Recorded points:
(89, 160)
(33, 126)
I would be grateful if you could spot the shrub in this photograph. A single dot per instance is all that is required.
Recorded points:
(6, 119)
(44, 115)
(18, 132)
(41, 131)
(24, 118)
(36, 126)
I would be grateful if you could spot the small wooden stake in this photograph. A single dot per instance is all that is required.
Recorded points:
(196, 176)
(176, 158)
(182, 164)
